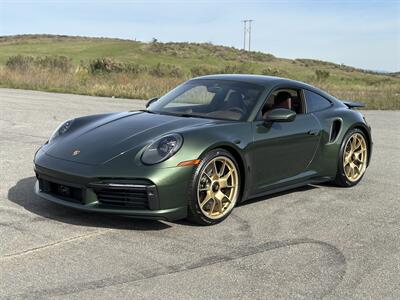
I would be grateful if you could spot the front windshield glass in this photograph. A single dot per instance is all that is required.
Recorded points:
(209, 98)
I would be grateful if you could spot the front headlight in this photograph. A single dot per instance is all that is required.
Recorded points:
(162, 149)
(61, 129)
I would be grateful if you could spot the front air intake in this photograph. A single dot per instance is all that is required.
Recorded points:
(135, 198)
(125, 194)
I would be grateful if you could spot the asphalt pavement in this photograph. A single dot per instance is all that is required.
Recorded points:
(312, 242)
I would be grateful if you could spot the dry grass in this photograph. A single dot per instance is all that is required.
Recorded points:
(120, 85)
(132, 69)
(385, 96)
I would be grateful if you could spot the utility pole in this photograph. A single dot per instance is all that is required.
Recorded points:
(247, 29)
(244, 33)
(250, 33)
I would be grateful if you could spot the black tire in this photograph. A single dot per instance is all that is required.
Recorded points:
(195, 213)
(341, 178)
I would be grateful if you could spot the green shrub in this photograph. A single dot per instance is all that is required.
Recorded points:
(19, 62)
(61, 63)
(259, 56)
(163, 70)
(270, 72)
(322, 75)
(24, 63)
(236, 69)
(105, 65)
(109, 65)
(203, 70)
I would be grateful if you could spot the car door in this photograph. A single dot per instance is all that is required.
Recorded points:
(282, 151)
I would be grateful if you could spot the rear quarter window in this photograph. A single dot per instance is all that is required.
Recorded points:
(316, 102)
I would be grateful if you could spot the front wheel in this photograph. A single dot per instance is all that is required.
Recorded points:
(215, 188)
(353, 158)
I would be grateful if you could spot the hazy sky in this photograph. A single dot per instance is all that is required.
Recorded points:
(364, 34)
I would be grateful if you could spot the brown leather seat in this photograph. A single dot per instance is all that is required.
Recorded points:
(282, 100)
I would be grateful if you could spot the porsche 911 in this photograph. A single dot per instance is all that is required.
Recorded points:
(203, 148)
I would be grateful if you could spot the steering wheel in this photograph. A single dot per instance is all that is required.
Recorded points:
(237, 109)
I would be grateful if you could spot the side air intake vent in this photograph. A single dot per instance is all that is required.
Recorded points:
(335, 129)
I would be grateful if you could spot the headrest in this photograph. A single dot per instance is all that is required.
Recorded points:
(281, 97)
(235, 100)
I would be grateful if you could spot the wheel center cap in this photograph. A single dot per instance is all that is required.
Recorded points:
(215, 187)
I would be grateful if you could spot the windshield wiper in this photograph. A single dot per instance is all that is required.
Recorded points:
(167, 113)
(148, 111)
(186, 115)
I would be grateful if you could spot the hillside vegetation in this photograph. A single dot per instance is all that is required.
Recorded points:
(132, 69)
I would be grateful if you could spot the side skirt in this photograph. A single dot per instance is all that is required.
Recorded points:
(288, 187)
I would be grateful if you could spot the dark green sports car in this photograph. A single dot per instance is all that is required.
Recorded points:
(204, 147)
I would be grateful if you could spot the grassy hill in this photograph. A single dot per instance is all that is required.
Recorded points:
(125, 68)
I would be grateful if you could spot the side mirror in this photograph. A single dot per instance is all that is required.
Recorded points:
(150, 101)
(280, 115)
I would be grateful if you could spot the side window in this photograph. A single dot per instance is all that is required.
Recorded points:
(284, 98)
(315, 102)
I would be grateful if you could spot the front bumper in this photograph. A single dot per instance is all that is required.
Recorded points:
(147, 192)
(160, 214)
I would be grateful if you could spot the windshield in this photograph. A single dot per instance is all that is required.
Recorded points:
(209, 98)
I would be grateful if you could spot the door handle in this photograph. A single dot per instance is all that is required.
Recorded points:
(313, 132)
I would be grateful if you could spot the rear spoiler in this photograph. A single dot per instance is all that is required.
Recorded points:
(352, 104)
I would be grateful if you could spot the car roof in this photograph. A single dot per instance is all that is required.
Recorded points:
(256, 79)
(265, 81)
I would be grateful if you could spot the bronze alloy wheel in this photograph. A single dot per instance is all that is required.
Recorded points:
(218, 187)
(355, 157)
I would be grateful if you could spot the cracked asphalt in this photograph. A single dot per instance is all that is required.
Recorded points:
(313, 242)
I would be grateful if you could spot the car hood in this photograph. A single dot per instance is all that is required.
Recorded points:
(109, 136)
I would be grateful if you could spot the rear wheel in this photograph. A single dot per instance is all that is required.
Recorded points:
(215, 188)
(352, 159)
